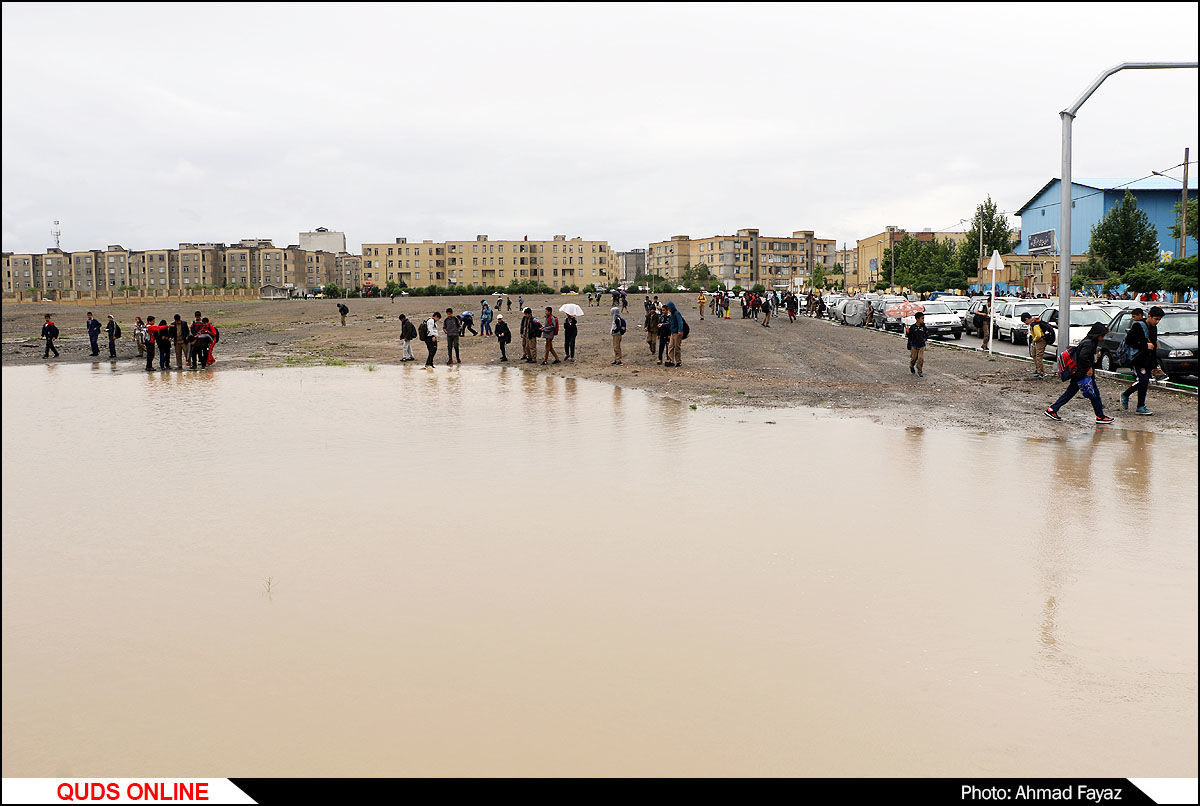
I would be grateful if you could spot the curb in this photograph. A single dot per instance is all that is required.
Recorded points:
(1104, 373)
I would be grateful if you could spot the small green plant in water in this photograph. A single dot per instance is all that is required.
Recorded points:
(692, 407)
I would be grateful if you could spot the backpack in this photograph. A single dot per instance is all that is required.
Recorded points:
(535, 329)
(423, 331)
(555, 320)
(686, 330)
(52, 332)
(343, 310)
(1127, 354)
(620, 326)
(116, 331)
(1066, 364)
(1047, 332)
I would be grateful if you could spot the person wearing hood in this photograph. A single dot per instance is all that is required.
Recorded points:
(528, 340)
(1082, 378)
(675, 352)
(503, 336)
(618, 330)
(485, 318)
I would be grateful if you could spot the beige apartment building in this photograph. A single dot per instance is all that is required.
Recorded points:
(347, 271)
(745, 258)
(558, 262)
(867, 265)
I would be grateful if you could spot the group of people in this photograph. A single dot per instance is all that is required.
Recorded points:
(452, 326)
(1141, 342)
(197, 339)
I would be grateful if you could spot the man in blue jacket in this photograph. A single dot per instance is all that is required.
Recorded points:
(93, 331)
(674, 352)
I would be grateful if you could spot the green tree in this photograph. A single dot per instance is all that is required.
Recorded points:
(1180, 275)
(924, 265)
(758, 288)
(997, 236)
(1143, 278)
(333, 290)
(818, 277)
(1125, 238)
(1191, 219)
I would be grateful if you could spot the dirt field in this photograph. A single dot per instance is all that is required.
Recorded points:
(725, 362)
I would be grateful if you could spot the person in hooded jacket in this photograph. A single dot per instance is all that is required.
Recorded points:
(1082, 379)
(408, 332)
(617, 333)
(663, 333)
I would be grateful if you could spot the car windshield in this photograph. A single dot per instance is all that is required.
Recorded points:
(1177, 323)
(1087, 318)
(936, 307)
(1031, 307)
(956, 304)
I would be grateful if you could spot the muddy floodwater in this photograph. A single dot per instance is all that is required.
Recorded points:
(479, 572)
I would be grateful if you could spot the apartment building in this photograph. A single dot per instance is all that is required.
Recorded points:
(745, 258)
(347, 271)
(630, 265)
(21, 270)
(323, 240)
(868, 266)
(201, 265)
(558, 262)
(320, 267)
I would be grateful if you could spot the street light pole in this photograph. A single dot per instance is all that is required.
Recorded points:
(1068, 117)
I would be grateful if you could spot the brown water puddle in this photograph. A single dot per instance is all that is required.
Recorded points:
(497, 573)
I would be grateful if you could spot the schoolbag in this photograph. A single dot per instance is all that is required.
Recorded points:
(535, 328)
(686, 330)
(116, 331)
(1066, 364)
(52, 332)
(620, 325)
(423, 331)
(555, 320)
(1047, 332)
(1127, 354)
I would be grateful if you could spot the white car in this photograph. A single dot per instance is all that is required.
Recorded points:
(1082, 319)
(940, 320)
(957, 304)
(1007, 320)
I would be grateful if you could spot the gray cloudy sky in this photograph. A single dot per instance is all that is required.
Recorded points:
(147, 125)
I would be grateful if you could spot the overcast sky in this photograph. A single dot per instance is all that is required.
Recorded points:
(147, 125)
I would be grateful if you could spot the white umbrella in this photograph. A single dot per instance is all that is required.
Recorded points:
(571, 309)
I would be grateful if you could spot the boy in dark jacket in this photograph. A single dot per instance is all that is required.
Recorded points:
(570, 331)
(111, 328)
(1143, 337)
(49, 333)
(918, 335)
(503, 336)
(1082, 379)
(408, 332)
(93, 331)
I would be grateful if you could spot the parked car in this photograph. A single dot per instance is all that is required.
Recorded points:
(940, 320)
(1082, 318)
(1007, 320)
(879, 317)
(956, 303)
(977, 303)
(1176, 348)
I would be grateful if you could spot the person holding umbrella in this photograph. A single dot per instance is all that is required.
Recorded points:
(570, 328)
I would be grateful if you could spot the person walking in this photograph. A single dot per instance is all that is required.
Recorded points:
(1142, 338)
(663, 334)
(139, 335)
(1037, 335)
(918, 335)
(1082, 378)
(485, 318)
(114, 333)
(181, 334)
(452, 327)
(93, 332)
(430, 336)
(766, 308)
(343, 310)
(503, 336)
(570, 331)
(49, 333)
(549, 331)
(624, 301)
(525, 329)
(407, 333)
(589, 299)
(675, 351)
(618, 330)
(508, 304)
(521, 301)
(700, 300)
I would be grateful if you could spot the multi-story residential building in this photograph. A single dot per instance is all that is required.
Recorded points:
(201, 265)
(87, 271)
(320, 268)
(630, 265)
(282, 266)
(745, 258)
(557, 263)
(323, 240)
(22, 271)
(118, 266)
(867, 266)
(155, 270)
(347, 271)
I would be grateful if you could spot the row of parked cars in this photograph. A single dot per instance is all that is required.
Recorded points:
(953, 315)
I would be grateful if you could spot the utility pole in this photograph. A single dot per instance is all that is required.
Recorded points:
(1183, 217)
(1068, 117)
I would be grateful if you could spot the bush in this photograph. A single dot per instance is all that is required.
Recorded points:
(758, 288)
(568, 288)
(590, 288)
(737, 289)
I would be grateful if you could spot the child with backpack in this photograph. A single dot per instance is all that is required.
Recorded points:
(1075, 365)
(549, 331)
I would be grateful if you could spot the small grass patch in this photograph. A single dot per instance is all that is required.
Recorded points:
(371, 367)
(333, 362)
(692, 407)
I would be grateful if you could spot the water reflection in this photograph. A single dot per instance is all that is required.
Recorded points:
(520, 554)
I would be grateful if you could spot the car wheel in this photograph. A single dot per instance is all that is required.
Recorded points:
(958, 334)
(1110, 362)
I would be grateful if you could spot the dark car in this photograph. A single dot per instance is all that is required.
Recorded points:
(1176, 341)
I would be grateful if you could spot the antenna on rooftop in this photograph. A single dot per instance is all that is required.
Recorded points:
(56, 232)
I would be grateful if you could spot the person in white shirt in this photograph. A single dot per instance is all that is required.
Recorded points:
(431, 338)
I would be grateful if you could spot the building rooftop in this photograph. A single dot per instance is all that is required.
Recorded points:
(1118, 183)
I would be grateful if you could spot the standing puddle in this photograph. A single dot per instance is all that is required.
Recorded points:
(501, 573)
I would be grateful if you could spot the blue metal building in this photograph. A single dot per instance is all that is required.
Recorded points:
(1091, 199)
